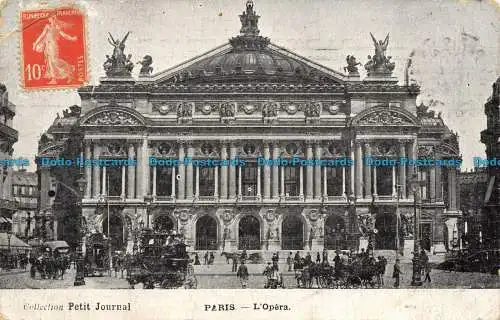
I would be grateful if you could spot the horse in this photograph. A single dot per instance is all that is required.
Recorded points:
(230, 256)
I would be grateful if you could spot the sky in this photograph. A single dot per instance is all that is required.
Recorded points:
(455, 48)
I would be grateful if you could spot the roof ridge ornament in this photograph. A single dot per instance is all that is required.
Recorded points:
(249, 38)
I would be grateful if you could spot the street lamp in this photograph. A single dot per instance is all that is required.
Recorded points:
(80, 274)
(416, 184)
(147, 200)
(351, 204)
(9, 235)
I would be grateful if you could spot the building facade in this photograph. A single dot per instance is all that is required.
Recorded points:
(231, 118)
(491, 138)
(8, 136)
(25, 193)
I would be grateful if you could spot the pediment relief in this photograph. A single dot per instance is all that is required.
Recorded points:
(110, 117)
(163, 149)
(385, 116)
(49, 151)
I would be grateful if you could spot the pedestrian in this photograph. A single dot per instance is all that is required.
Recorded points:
(296, 261)
(325, 256)
(426, 266)
(308, 258)
(211, 258)
(396, 272)
(244, 255)
(289, 260)
(318, 257)
(196, 259)
(205, 258)
(235, 264)
(242, 274)
(275, 260)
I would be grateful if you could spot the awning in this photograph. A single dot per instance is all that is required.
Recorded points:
(56, 244)
(15, 242)
(5, 220)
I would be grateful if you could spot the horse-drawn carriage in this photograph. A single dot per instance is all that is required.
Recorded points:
(360, 272)
(96, 255)
(50, 260)
(162, 260)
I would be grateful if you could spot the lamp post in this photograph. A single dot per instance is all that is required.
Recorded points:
(9, 235)
(416, 275)
(80, 274)
(351, 204)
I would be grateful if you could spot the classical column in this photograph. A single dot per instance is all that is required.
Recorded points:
(223, 172)
(439, 184)
(216, 182)
(104, 180)
(351, 171)
(375, 181)
(368, 172)
(452, 187)
(402, 170)
(197, 188)
(412, 155)
(432, 186)
(131, 173)
(181, 190)
(267, 172)
(232, 172)
(240, 192)
(153, 192)
(259, 193)
(343, 182)
(317, 172)
(88, 170)
(145, 165)
(189, 173)
(139, 177)
(309, 173)
(276, 155)
(301, 182)
(174, 179)
(394, 194)
(124, 177)
(96, 170)
(359, 171)
(325, 180)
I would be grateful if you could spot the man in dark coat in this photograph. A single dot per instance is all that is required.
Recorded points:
(395, 274)
(235, 264)
(242, 274)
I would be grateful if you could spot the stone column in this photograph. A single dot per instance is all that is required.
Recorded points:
(394, 192)
(301, 181)
(181, 190)
(104, 180)
(96, 170)
(240, 192)
(131, 173)
(139, 177)
(412, 155)
(317, 172)
(375, 181)
(267, 172)
(88, 170)
(275, 177)
(124, 177)
(351, 171)
(402, 170)
(325, 183)
(232, 172)
(223, 172)
(432, 187)
(259, 192)
(368, 172)
(153, 192)
(343, 182)
(189, 173)
(452, 187)
(145, 165)
(359, 171)
(197, 188)
(174, 179)
(309, 173)
(282, 183)
(439, 184)
(216, 182)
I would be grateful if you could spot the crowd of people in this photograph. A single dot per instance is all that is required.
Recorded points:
(10, 261)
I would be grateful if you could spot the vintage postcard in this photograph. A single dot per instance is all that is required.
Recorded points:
(322, 159)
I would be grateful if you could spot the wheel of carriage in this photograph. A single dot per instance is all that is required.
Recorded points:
(166, 284)
(354, 282)
(148, 284)
(322, 282)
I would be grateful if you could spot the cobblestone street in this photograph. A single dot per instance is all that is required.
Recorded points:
(219, 276)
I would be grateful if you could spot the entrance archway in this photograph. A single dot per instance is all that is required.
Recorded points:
(249, 233)
(292, 229)
(385, 223)
(163, 223)
(116, 231)
(335, 233)
(206, 233)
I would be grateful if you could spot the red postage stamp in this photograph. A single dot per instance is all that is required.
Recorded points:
(53, 48)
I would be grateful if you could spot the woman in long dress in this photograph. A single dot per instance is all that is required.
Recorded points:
(48, 43)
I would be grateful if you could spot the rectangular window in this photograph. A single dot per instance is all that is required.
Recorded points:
(114, 181)
(334, 181)
(249, 179)
(163, 181)
(292, 181)
(207, 181)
